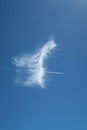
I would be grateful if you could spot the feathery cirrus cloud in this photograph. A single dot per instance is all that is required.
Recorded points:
(31, 69)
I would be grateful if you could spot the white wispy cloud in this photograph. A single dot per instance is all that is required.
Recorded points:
(31, 69)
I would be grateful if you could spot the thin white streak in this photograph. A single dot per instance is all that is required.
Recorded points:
(27, 71)
(51, 72)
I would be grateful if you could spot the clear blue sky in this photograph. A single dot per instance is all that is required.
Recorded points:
(24, 26)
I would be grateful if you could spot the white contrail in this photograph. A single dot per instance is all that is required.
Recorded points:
(27, 71)
(34, 66)
(51, 72)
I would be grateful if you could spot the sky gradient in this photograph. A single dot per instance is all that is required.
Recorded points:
(24, 27)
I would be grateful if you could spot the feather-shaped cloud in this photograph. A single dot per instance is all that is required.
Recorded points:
(31, 68)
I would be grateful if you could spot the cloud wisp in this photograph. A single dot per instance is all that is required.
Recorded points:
(31, 69)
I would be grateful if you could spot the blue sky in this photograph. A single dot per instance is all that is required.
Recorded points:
(24, 27)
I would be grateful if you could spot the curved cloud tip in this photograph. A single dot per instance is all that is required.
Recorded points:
(31, 68)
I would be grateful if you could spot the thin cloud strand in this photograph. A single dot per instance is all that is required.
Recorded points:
(34, 66)
(52, 72)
